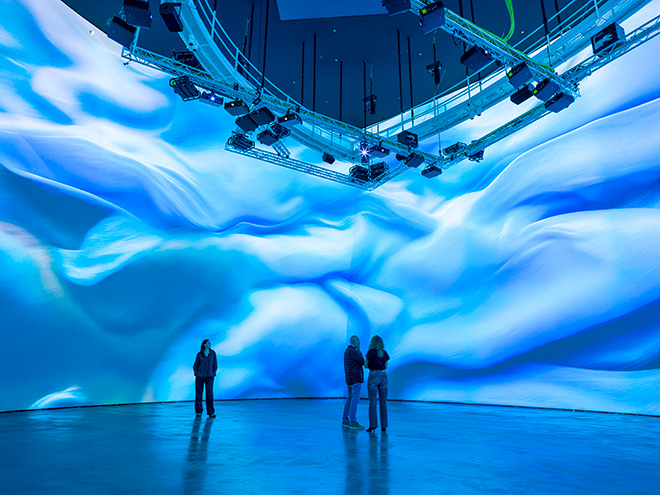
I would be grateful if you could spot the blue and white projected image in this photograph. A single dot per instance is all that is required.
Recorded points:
(128, 235)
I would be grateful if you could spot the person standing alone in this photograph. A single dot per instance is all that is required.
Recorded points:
(353, 362)
(205, 368)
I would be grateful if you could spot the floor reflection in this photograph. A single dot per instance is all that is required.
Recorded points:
(195, 470)
(367, 468)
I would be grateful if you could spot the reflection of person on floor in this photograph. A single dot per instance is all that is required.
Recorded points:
(205, 367)
(195, 469)
(377, 359)
(353, 361)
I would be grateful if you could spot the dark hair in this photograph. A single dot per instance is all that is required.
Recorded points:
(201, 349)
(377, 343)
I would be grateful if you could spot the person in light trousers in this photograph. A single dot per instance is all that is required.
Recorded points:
(377, 359)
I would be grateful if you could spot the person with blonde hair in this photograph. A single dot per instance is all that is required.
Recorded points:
(377, 359)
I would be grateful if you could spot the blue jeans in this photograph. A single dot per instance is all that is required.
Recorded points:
(377, 385)
(350, 407)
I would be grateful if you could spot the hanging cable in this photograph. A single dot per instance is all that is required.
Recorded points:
(398, 45)
(509, 7)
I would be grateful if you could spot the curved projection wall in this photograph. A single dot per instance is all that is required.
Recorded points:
(127, 235)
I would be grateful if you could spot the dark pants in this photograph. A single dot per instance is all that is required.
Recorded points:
(200, 383)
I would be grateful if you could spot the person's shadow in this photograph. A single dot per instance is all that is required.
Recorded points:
(195, 470)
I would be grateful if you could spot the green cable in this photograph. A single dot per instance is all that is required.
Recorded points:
(509, 7)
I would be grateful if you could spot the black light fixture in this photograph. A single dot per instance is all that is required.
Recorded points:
(267, 137)
(432, 17)
(262, 116)
(364, 152)
(431, 171)
(558, 102)
(606, 39)
(378, 169)
(370, 104)
(522, 94)
(188, 58)
(359, 172)
(328, 158)
(246, 123)
(434, 69)
(545, 89)
(519, 75)
(476, 58)
(408, 138)
(211, 98)
(237, 107)
(413, 160)
(454, 148)
(477, 156)
(240, 142)
(396, 6)
(185, 88)
(137, 13)
(378, 151)
(121, 32)
(289, 119)
(171, 14)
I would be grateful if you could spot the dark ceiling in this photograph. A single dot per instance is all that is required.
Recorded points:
(351, 40)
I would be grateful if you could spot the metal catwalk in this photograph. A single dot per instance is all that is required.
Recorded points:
(298, 446)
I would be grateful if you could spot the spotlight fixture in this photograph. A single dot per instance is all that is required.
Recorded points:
(378, 169)
(396, 6)
(237, 107)
(476, 156)
(370, 104)
(185, 88)
(210, 98)
(434, 70)
(606, 39)
(522, 94)
(289, 120)
(413, 160)
(246, 123)
(171, 14)
(432, 17)
(431, 171)
(519, 75)
(121, 32)
(408, 138)
(454, 149)
(267, 137)
(188, 58)
(558, 102)
(240, 142)
(545, 90)
(137, 13)
(262, 116)
(359, 172)
(476, 58)
(364, 152)
(328, 158)
(378, 151)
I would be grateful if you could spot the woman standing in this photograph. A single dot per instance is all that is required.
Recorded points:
(205, 367)
(377, 359)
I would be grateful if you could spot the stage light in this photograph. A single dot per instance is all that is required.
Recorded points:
(267, 137)
(413, 160)
(359, 172)
(607, 39)
(519, 75)
(185, 88)
(213, 99)
(432, 17)
(408, 138)
(328, 158)
(434, 70)
(558, 102)
(370, 104)
(545, 90)
(237, 107)
(188, 58)
(454, 148)
(121, 32)
(240, 142)
(137, 13)
(378, 169)
(378, 151)
(262, 116)
(246, 123)
(476, 156)
(522, 94)
(171, 14)
(431, 171)
(396, 6)
(290, 119)
(476, 58)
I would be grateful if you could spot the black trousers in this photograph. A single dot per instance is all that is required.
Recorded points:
(200, 383)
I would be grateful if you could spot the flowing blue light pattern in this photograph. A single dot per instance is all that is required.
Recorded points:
(128, 235)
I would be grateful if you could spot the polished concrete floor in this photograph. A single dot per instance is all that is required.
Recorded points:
(298, 446)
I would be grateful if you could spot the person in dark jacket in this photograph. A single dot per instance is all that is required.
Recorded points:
(205, 368)
(377, 359)
(353, 362)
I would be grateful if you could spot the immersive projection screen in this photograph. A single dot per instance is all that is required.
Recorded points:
(128, 235)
